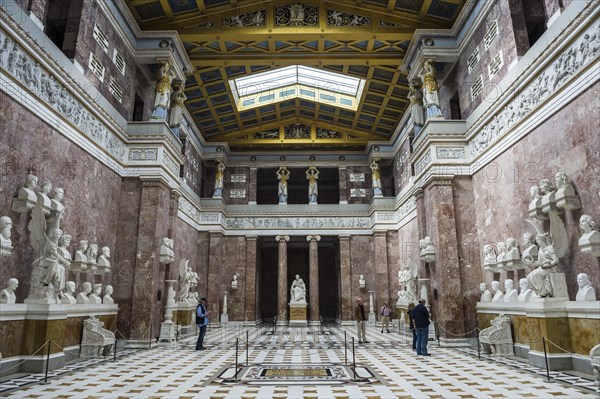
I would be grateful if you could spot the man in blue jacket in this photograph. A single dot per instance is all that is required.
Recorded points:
(201, 322)
(421, 325)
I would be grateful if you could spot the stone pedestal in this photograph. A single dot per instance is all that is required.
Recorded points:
(298, 315)
(372, 317)
(168, 330)
(184, 318)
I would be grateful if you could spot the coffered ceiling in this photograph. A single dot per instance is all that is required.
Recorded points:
(228, 39)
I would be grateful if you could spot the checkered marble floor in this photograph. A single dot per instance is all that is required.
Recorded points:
(181, 372)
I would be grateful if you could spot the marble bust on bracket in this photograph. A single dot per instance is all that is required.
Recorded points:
(7, 295)
(486, 295)
(535, 206)
(6, 247)
(525, 292)
(27, 197)
(498, 296)
(511, 294)
(95, 297)
(80, 264)
(548, 200)
(86, 289)
(361, 281)
(167, 255)
(565, 193)
(490, 258)
(427, 249)
(103, 262)
(589, 242)
(512, 257)
(68, 294)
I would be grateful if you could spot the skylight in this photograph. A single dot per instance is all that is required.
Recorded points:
(297, 81)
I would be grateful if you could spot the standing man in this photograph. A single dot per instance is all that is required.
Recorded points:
(385, 317)
(361, 319)
(421, 324)
(201, 322)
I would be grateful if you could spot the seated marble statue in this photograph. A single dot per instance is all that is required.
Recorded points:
(7, 295)
(565, 193)
(361, 281)
(586, 292)
(27, 197)
(427, 249)
(92, 255)
(535, 206)
(498, 296)
(486, 295)
(511, 293)
(525, 292)
(44, 197)
(107, 298)
(530, 251)
(103, 262)
(95, 296)
(68, 297)
(6, 247)
(548, 202)
(298, 291)
(539, 278)
(86, 289)
(595, 361)
(512, 257)
(589, 242)
(490, 258)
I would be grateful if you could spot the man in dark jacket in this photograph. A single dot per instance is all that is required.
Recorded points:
(421, 325)
(201, 322)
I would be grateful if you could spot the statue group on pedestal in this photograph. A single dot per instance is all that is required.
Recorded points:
(298, 291)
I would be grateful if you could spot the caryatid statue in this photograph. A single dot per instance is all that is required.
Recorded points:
(283, 175)
(176, 114)
(416, 103)
(163, 91)
(219, 179)
(312, 175)
(431, 100)
(376, 177)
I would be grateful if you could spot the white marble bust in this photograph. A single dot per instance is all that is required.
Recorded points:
(565, 193)
(6, 247)
(535, 206)
(234, 282)
(27, 198)
(361, 281)
(44, 197)
(498, 296)
(530, 251)
(91, 255)
(63, 250)
(86, 289)
(68, 296)
(81, 250)
(108, 299)
(486, 295)
(489, 260)
(167, 255)
(586, 292)
(548, 201)
(512, 257)
(589, 242)
(103, 261)
(56, 202)
(500, 253)
(427, 249)
(95, 297)
(525, 292)
(7, 295)
(511, 293)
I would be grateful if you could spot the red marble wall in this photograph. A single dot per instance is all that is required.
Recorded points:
(233, 262)
(228, 185)
(568, 142)
(92, 191)
(362, 262)
(460, 79)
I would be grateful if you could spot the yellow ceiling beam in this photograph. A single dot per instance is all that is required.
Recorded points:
(201, 5)
(424, 8)
(168, 11)
(391, 4)
(309, 34)
(301, 59)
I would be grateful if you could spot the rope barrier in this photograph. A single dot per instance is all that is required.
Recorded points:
(133, 340)
(33, 354)
(562, 349)
(458, 335)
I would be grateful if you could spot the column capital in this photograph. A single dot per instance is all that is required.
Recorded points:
(279, 238)
(380, 233)
(251, 238)
(344, 237)
(419, 193)
(311, 238)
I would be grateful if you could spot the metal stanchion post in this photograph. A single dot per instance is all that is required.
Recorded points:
(115, 351)
(345, 350)
(150, 339)
(478, 345)
(546, 359)
(237, 340)
(247, 345)
(353, 360)
(47, 362)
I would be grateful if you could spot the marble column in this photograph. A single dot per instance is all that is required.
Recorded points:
(173, 270)
(313, 287)
(215, 265)
(381, 267)
(343, 184)
(346, 280)
(250, 281)
(149, 273)
(282, 288)
(252, 185)
(445, 274)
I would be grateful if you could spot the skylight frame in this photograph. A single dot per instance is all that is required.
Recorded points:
(297, 81)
